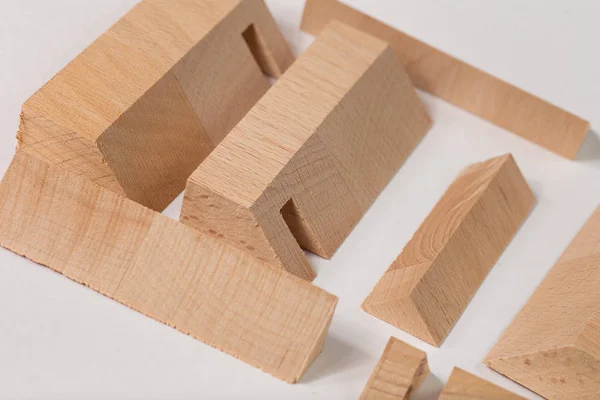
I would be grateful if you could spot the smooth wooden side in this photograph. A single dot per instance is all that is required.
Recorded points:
(461, 84)
(465, 386)
(199, 285)
(553, 345)
(427, 288)
(400, 370)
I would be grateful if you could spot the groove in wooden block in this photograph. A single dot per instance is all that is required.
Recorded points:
(464, 386)
(427, 288)
(144, 104)
(461, 84)
(195, 283)
(309, 159)
(401, 369)
(553, 345)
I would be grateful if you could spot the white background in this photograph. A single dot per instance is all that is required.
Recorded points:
(59, 340)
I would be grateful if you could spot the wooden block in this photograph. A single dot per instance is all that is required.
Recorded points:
(464, 386)
(427, 288)
(142, 106)
(309, 159)
(400, 370)
(197, 284)
(461, 84)
(553, 345)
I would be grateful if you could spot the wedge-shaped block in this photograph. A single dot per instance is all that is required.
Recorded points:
(309, 159)
(400, 370)
(465, 386)
(142, 106)
(427, 288)
(461, 84)
(553, 345)
(216, 293)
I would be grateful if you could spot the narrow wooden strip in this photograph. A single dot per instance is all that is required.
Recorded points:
(465, 386)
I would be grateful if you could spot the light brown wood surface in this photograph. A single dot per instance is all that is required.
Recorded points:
(400, 370)
(461, 84)
(309, 159)
(197, 284)
(144, 104)
(427, 288)
(553, 345)
(465, 386)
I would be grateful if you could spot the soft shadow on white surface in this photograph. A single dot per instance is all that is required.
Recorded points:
(589, 154)
(337, 356)
(430, 389)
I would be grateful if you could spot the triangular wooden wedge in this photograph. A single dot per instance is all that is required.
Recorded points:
(465, 386)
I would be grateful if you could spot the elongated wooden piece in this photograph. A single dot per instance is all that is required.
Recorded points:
(216, 293)
(427, 288)
(553, 345)
(142, 106)
(465, 386)
(400, 370)
(309, 159)
(461, 84)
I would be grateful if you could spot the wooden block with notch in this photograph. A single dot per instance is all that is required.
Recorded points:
(427, 288)
(309, 159)
(461, 84)
(553, 345)
(144, 104)
(465, 386)
(401, 369)
(203, 287)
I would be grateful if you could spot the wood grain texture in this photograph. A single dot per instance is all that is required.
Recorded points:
(465, 386)
(461, 84)
(195, 283)
(140, 108)
(400, 370)
(309, 159)
(553, 345)
(427, 288)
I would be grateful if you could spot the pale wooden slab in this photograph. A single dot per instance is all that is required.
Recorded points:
(465, 386)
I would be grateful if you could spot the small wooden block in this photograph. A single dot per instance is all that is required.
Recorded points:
(427, 288)
(553, 345)
(461, 84)
(142, 106)
(197, 284)
(400, 370)
(309, 159)
(464, 386)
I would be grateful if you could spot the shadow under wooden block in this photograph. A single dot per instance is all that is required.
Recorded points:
(553, 345)
(142, 106)
(461, 84)
(427, 288)
(465, 386)
(309, 159)
(199, 285)
(400, 370)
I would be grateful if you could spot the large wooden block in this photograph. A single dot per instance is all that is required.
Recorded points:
(427, 288)
(401, 369)
(309, 159)
(461, 84)
(197, 284)
(465, 386)
(553, 345)
(142, 106)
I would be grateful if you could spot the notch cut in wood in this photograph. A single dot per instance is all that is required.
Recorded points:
(427, 288)
(309, 159)
(461, 84)
(400, 370)
(140, 108)
(553, 345)
(465, 386)
(197, 284)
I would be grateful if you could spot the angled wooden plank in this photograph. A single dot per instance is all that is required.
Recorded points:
(400, 370)
(553, 345)
(465, 386)
(461, 84)
(195, 283)
(309, 159)
(142, 106)
(427, 288)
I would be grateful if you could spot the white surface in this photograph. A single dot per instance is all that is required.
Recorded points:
(59, 340)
